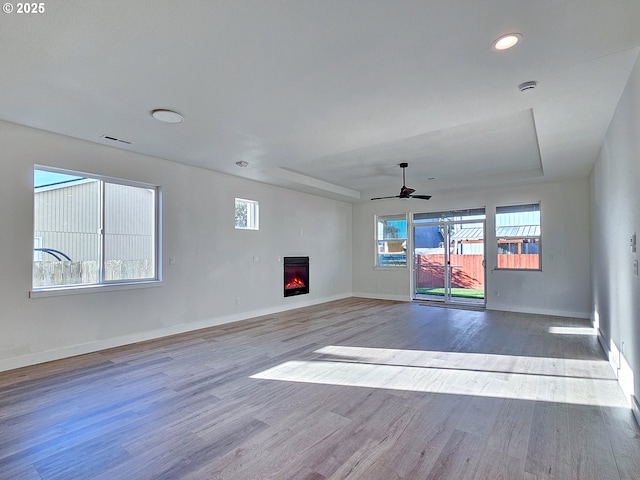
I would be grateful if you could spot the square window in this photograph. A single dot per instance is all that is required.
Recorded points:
(247, 214)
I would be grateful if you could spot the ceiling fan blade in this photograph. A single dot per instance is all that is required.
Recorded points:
(382, 198)
(405, 192)
(422, 197)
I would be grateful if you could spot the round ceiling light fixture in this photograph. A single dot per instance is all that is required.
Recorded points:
(167, 116)
(505, 42)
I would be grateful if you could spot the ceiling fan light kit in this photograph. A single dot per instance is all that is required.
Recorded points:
(405, 192)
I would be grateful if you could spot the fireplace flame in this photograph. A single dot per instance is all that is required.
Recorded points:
(295, 283)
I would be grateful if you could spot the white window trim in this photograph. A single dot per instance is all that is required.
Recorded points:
(110, 285)
(93, 288)
(253, 214)
(540, 256)
(376, 265)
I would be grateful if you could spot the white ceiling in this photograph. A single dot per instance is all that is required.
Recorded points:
(329, 96)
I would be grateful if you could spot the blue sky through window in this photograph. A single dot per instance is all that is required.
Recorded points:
(42, 178)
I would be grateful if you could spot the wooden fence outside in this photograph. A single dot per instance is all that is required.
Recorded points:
(523, 260)
(58, 273)
(467, 270)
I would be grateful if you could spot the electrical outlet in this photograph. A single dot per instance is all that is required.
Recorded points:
(237, 301)
(496, 293)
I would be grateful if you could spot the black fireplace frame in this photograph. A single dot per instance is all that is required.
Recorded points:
(299, 264)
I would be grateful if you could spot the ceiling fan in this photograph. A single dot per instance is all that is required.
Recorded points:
(405, 192)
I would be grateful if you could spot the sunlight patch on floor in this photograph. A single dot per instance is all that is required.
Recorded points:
(569, 367)
(580, 391)
(573, 331)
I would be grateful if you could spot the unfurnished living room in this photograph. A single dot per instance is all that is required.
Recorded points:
(320, 240)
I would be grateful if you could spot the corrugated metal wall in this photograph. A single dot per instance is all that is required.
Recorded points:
(68, 219)
(129, 222)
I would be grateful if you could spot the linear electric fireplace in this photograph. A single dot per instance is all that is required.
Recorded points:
(296, 276)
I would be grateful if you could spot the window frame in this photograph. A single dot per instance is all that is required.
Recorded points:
(37, 244)
(538, 237)
(156, 280)
(253, 214)
(377, 220)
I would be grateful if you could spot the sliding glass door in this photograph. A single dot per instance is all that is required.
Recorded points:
(448, 256)
(429, 260)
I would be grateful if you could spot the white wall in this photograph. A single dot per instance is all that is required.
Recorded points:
(615, 216)
(214, 262)
(561, 288)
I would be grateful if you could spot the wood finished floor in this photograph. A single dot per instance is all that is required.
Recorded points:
(357, 389)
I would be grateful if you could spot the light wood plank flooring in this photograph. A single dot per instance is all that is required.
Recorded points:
(357, 389)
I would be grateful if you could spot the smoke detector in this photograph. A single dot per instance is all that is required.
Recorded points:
(528, 86)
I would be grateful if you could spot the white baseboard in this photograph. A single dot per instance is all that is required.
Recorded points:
(91, 347)
(502, 308)
(539, 311)
(614, 357)
(622, 371)
(635, 408)
(603, 344)
(626, 379)
(382, 296)
(605, 349)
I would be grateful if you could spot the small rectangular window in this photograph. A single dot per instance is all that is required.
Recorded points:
(518, 237)
(92, 230)
(247, 214)
(391, 241)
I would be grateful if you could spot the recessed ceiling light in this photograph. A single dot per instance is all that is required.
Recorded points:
(505, 42)
(167, 116)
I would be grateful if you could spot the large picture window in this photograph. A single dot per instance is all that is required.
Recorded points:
(518, 236)
(92, 230)
(391, 241)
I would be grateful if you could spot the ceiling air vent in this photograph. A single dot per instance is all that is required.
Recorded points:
(114, 139)
(528, 86)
